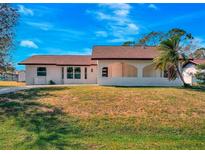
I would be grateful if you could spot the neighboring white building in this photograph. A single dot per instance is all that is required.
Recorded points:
(108, 65)
(21, 76)
(189, 70)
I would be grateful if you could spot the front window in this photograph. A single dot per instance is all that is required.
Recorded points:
(73, 72)
(70, 73)
(41, 71)
(77, 73)
(105, 72)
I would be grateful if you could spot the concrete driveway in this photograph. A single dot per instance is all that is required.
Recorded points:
(15, 89)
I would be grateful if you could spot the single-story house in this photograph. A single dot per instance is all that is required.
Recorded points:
(189, 70)
(108, 65)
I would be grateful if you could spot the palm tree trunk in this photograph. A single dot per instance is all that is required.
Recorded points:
(180, 75)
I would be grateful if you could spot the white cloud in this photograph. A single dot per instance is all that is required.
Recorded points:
(152, 6)
(121, 12)
(22, 9)
(28, 44)
(119, 6)
(116, 21)
(132, 28)
(198, 42)
(123, 39)
(87, 51)
(101, 34)
(42, 25)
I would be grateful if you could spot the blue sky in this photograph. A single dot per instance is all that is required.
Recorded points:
(75, 28)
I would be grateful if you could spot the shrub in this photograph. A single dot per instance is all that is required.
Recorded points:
(52, 82)
(200, 75)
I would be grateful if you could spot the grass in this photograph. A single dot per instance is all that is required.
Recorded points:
(4, 84)
(95, 117)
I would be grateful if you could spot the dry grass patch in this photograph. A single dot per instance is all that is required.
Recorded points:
(96, 117)
(4, 84)
(138, 102)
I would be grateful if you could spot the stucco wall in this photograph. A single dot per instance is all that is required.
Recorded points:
(121, 69)
(91, 76)
(155, 80)
(54, 73)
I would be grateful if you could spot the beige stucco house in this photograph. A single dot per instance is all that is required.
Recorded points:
(108, 65)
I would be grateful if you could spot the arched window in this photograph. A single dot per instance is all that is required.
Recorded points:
(121, 69)
(105, 72)
(149, 71)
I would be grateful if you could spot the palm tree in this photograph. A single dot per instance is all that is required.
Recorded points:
(170, 58)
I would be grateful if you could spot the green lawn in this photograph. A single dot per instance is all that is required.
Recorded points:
(95, 117)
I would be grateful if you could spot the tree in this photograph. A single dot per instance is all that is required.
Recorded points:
(174, 51)
(128, 43)
(200, 75)
(170, 58)
(199, 53)
(151, 39)
(8, 20)
(174, 46)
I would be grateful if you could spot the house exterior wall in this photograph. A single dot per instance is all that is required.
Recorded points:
(156, 78)
(91, 76)
(54, 73)
(121, 78)
(121, 69)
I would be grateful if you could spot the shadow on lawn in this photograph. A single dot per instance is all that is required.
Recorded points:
(50, 125)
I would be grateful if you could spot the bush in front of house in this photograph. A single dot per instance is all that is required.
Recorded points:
(51, 82)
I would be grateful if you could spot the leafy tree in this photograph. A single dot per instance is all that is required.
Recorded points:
(8, 20)
(128, 43)
(200, 75)
(199, 53)
(155, 38)
(170, 58)
(173, 53)
(151, 39)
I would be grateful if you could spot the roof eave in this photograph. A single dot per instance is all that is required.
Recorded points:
(122, 58)
(56, 64)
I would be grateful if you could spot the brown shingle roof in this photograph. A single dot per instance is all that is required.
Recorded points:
(124, 52)
(198, 61)
(81, 60)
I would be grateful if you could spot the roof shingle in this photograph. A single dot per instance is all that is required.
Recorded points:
(81, 60)
(198, 61)
(124, 52)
